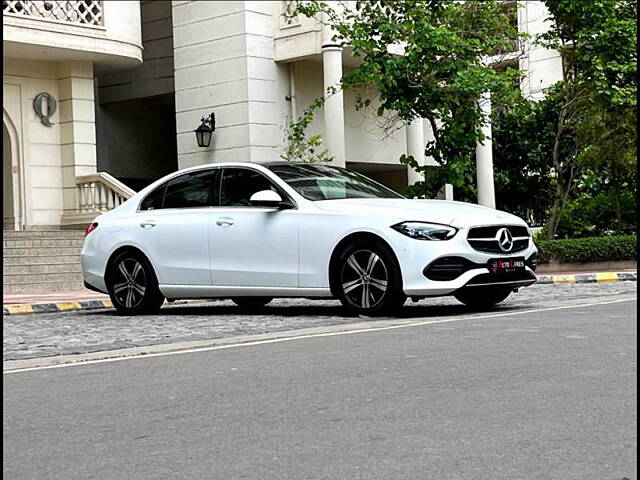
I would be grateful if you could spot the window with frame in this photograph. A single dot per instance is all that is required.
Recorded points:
(239, 184)
(191, 190)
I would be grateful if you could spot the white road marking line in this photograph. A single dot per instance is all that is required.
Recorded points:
(314, 335)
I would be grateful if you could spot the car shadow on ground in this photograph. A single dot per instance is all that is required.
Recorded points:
(408, 311)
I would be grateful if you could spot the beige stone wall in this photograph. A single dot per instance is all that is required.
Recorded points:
(223, 54)
(365, 142)
(154, 76)
(542, 67)
(50, 157)
(77, 126)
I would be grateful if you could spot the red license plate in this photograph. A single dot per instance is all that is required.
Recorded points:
(506, 265)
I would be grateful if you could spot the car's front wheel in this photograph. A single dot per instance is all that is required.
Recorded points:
(482, 297)
(133, 286)
(368, 280)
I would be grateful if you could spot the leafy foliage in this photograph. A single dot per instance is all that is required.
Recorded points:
(523, 136)
(588, 216)
(592, 249)
(439, 75)
(597, 40)
(298, 147)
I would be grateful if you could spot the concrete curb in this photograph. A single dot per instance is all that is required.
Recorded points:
(26, 308)
(23, 308)
(601, 277)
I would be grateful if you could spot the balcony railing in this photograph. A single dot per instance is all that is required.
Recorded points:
(79, 12)
(99, 192)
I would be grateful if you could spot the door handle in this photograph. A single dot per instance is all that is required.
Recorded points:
(225, 221)
(148, 223)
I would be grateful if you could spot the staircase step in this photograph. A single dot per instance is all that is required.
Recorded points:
(30, 279)
(42, 242)
(40, 251)
(11, 234)
(9, 270)
(50, 287)
(42, 259)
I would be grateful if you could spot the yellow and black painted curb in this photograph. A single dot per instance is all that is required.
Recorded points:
(21, 309)
(25, 308)
(601, 277)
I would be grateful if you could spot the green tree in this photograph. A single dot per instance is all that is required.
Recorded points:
(523, 132)
(439, 76)
(299, 147)
(597, 98)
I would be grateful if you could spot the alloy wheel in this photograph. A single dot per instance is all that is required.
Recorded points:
(130, 283)
(364, 279)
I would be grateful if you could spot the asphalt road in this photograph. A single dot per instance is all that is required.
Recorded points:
(541, 395)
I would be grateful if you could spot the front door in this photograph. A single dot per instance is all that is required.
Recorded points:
(252, 246)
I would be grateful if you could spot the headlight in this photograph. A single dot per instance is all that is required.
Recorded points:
(425, 231)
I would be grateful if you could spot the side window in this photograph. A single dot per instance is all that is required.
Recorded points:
(238, 184)
(186, 191)
(191, 190)
(153, 201)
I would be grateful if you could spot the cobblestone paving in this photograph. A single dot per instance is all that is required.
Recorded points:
(39, 335)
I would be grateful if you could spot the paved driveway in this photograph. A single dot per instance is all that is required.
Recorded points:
(29, 336)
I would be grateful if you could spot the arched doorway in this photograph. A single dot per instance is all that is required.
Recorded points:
(12, 210)
(8, 211)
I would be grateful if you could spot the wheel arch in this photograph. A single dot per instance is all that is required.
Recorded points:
(353, 237)
(118, 251)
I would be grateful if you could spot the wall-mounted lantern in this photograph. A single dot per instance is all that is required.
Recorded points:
(205, 130)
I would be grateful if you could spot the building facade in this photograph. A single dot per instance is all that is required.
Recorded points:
(102, 97)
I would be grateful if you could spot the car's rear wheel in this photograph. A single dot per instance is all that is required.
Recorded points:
(133, 286)
(251, 303)
(479, 297)
(368, 280)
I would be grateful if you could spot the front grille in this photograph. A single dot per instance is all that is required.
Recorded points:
(449, 268)
(484, 239)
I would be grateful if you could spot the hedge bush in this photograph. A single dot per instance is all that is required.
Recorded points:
(592, 216)
(591, 249)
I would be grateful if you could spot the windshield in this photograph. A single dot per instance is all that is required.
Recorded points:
(324, 182)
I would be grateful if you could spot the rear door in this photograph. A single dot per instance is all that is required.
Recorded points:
(173, 226)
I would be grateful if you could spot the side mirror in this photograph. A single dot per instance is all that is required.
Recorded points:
(266, 198)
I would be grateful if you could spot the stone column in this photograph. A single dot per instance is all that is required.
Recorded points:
(484, 158)
(334, 102)
(419, 132)
(415, 148)
(77, 126)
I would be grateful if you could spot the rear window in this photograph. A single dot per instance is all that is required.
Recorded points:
(191, 190)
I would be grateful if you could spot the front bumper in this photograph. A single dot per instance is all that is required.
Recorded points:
(415, 255)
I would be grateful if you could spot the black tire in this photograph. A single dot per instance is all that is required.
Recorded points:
(482, 297)
(132, 285)
(367, 279)
(251, 303)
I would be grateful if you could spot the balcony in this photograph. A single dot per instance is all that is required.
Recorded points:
(107, 33)
(85, 12)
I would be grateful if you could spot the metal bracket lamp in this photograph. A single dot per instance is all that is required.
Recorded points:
(205, 130)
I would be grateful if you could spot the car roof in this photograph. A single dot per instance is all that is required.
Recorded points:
(245, 164)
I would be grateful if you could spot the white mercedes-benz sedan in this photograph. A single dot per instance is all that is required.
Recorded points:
(253, 232)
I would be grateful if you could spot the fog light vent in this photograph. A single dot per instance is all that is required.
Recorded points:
(448, 268)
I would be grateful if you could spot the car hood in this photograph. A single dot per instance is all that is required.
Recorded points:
(457, 214)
